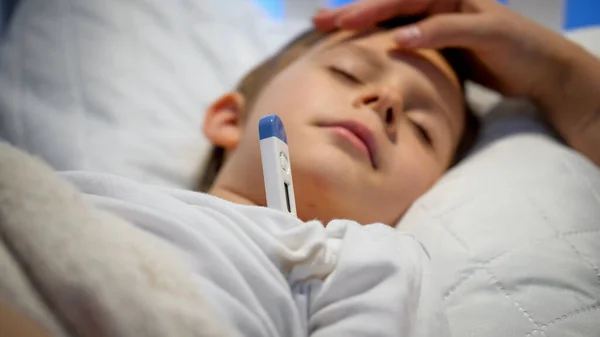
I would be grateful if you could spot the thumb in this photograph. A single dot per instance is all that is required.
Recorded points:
(466, 31)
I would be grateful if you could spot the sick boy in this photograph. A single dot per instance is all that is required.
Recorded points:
(372, 123)
(370, 127)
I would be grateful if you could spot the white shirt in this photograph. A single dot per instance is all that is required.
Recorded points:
(266, 273)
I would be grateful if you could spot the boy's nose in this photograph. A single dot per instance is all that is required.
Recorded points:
(386, 104)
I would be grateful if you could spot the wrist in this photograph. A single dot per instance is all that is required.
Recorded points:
(567, 88)
(571, 99)
(555, 70)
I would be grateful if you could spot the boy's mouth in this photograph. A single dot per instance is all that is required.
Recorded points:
(358, 135)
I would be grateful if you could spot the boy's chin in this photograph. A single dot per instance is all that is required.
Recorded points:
(330, 184)
(327, 195)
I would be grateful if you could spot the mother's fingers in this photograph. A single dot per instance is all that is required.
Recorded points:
(326, 19)
(468, 31)
(367, 13)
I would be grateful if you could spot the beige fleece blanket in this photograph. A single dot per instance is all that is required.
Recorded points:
(79, 271)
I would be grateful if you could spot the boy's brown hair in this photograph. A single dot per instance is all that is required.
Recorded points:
(251, 85)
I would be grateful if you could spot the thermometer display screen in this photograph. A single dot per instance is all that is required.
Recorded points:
(287, 196)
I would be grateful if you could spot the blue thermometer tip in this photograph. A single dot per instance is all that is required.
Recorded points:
(271, 126)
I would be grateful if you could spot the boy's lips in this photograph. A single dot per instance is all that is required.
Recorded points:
(358, 135)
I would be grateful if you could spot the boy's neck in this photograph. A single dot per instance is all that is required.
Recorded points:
(230, 195)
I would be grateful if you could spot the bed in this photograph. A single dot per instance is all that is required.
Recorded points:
(515, 251)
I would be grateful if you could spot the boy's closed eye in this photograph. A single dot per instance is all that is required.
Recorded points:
(344, 75)
(357, 61)
(422, 133)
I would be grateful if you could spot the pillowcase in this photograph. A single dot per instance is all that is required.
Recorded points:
(121, 86)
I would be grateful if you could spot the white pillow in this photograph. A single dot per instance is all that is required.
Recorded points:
(121, 86)
(513, 231)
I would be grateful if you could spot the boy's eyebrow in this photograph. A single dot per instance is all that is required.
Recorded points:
(363, 52)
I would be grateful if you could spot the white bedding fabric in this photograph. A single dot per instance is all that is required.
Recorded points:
(266, 273)
(78, 271)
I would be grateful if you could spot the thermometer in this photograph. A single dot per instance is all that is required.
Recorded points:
(277, 171)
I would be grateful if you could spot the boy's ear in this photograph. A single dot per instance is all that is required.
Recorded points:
(222, 121)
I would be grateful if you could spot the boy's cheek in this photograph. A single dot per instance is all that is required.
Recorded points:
(296, 96)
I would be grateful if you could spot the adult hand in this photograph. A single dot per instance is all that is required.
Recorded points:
(366, 13)
(509, 53)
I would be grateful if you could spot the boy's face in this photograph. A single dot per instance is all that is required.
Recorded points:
(370, 128)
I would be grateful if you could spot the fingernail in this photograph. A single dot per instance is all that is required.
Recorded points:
(409, 36)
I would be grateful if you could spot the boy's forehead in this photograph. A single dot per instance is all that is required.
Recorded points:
(383, 41)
